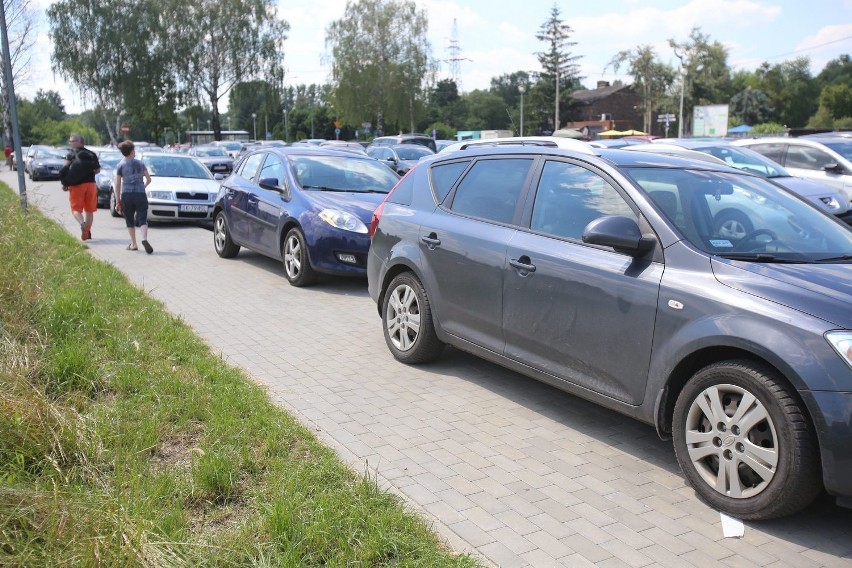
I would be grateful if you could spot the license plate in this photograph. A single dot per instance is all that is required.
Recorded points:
(193, 208)
(220, 168)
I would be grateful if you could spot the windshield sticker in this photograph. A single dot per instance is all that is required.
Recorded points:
(721, 243)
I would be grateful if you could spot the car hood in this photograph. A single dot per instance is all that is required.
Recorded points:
(48, 162)
(811, 190)
(360, 204)
(198, 185)
(215, 159)
(821, 290)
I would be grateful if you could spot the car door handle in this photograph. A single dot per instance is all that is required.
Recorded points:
(431, 241)
(523, 264)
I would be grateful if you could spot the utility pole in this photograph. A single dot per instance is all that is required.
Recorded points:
(13, 109)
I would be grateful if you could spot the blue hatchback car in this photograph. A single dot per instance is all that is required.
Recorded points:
(607, 273)
(307, 206)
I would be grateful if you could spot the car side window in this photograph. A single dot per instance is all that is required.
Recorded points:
(570, 197)
(807, 158)
(250, 165)
(272, 172)
(492, 188)
(774, 151)
(444, 177)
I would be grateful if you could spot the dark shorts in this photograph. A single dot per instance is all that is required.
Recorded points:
(135, 206)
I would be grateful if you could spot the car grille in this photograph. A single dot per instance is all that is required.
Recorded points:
(192, 196)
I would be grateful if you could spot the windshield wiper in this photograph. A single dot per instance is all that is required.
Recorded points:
(325, 188)
(763, 257)
(841, 258)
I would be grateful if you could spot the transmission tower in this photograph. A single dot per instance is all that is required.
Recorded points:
(455, 57)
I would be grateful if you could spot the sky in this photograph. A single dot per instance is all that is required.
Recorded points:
(498, 36)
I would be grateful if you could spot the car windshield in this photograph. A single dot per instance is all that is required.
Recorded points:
(842, 147)
(50, 153)
(342, 173)
(110, 160)
(233, 146)
(745, 159)
(413, 152)
(175, 166)
(212, 151)
(743, 217)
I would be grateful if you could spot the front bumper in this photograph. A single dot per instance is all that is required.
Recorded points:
(186, 207)
(833, 422)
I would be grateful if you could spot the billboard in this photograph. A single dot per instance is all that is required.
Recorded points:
(710, 120)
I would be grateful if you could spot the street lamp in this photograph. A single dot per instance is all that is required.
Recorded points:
(521, 90)
(680, 120)
(254, 121)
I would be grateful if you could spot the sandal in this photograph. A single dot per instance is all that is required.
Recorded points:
(148, 248)
(131, 247)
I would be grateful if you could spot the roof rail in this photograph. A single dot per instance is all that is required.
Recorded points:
(544, 141)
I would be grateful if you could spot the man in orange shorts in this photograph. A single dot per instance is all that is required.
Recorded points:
(78, 178)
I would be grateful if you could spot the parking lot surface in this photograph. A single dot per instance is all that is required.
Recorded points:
(506, 468)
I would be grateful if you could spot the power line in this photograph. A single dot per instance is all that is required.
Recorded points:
(761, 59)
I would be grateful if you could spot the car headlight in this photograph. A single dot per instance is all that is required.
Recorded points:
(163, 195)
(842, 343)
(343, 220)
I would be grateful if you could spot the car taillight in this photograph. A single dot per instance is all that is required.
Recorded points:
(377, 214)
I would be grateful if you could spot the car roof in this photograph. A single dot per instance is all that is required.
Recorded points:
(541, 141)
(675, 150)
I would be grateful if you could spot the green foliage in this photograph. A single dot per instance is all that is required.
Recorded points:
(106, 401)
(791, 90)
(55, 133)
(258, 97)
(750, 106)
(837, 99)
(380, 59)
(557, 63)
(707, 72)
(767, 128)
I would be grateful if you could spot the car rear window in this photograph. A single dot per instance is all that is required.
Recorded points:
(492, 188)
(445, 176)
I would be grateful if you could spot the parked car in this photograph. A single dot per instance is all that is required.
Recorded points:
(30, 153)
(823, 196)
(45, 163)
(441, 144)
(24, 151)
(600, 272)
(104, 180)
(617, 143)
(306, 206)
(399, 158)
(419, 139)
(827, 159)
(181, 188)
(215, 158)
(345, 146)
(233, 147)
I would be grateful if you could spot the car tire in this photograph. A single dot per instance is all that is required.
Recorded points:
(113, 205)
(407, 321)
(224, 245)
(297, 262)
(770, 445)
(732, 225)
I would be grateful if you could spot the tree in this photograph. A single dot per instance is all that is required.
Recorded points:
(258, 97)
(20, 21)
(837, 99)
(223, 42)
(791, 89)
(651, 78)
(707, 77)
(486, 111)
(559, 67)
(380, 59)
(750, 106)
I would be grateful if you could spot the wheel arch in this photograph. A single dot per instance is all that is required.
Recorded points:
(394, 270)
(700, 358)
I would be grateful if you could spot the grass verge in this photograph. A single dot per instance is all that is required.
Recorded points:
(124, 441)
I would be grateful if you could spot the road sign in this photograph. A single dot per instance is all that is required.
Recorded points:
(125, 128)
(337, 124)
(666, 118)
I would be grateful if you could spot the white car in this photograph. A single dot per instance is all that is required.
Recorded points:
(822, 157)
(181, 188)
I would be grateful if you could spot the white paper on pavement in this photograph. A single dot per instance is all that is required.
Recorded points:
(731, 527)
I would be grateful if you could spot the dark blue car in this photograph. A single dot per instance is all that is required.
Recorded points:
(306, 206)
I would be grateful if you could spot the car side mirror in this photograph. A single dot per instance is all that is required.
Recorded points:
(269, 183)
(834, 168)
(619, 232)
(218, 177)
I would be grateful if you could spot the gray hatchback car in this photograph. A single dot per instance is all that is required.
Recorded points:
(601, 272)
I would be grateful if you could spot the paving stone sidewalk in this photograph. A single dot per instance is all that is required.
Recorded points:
(506, 468)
